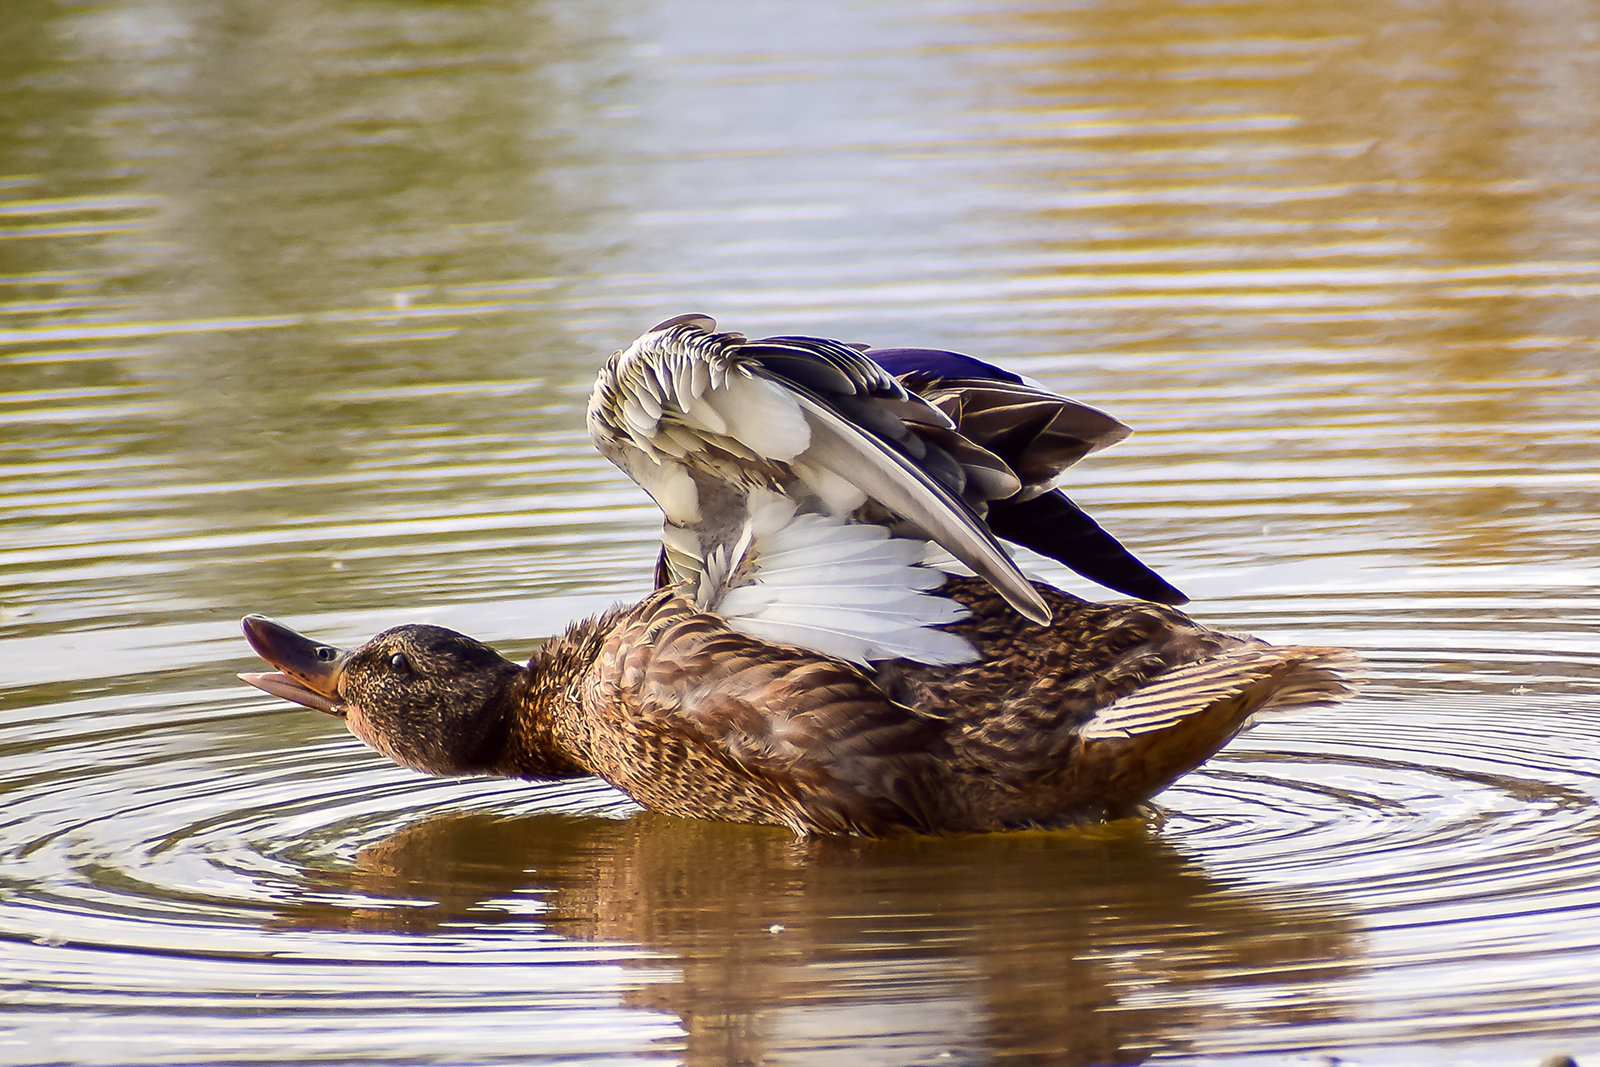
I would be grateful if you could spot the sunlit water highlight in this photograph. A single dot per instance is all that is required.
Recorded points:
(298, 311)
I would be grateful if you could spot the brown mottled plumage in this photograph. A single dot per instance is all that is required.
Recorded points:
(807, 661)
(1080, 722)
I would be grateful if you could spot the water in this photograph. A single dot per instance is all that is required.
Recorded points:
(299, 305)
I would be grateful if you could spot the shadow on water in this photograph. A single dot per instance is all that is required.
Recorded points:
(1064, 948)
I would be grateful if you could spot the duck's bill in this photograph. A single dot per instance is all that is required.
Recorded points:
(308, 672)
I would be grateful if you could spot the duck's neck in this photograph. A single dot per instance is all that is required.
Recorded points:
(543, 705)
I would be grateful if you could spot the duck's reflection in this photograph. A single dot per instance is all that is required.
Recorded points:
(1080, 947)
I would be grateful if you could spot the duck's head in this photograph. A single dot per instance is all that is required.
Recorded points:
(424, 696)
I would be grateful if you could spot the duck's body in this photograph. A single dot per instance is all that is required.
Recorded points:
(1077, 723)
(802, 664)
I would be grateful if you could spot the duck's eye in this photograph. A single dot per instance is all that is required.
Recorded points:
(326, 654)
(398, 662)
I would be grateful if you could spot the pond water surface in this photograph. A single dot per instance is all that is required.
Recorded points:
(299, 306)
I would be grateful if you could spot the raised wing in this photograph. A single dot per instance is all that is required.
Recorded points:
(1037, 435)
(801, 476)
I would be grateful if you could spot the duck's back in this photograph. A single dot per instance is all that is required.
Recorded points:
(1077, 722)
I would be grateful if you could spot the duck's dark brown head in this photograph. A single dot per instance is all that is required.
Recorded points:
(424, 696)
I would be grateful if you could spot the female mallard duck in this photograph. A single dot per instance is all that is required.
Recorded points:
(811, 658)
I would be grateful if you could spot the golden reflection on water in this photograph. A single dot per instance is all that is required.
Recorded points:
(299, 305)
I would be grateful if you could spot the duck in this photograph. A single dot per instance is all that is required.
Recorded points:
(839, 641)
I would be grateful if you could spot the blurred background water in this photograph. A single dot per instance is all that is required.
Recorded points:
(299, 306)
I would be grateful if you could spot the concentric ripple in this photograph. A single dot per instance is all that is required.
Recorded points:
(1348, 877)
(152, 880)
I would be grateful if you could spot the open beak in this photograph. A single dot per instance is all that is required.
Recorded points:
(310, 672)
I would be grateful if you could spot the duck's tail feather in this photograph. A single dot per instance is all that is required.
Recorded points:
(1144, 741)
(1327, 676)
